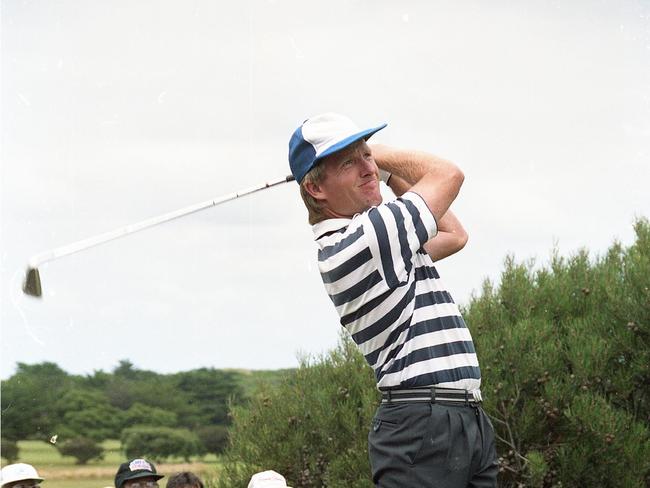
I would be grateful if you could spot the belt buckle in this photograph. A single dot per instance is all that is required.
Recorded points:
(477, 396)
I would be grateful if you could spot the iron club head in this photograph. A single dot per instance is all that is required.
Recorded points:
(32, 284)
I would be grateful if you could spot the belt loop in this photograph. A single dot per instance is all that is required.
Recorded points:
(433, 394)
(466, 398)
(389, 397)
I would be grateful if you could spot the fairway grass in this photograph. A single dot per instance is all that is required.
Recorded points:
(61, 471)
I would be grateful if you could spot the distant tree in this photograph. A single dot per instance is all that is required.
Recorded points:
(83, 449)
(28, 398)
(128, 386)
(160, 443)
(208, 391)
(214, 438)
(125, 370)
(122, 387)
(99, 380)
(121, 393)
(87, 414)
(9, 450)
(140, 415)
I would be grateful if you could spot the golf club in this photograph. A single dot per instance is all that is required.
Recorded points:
(32, 284)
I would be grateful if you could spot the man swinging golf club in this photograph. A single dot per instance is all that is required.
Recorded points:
(376, 262)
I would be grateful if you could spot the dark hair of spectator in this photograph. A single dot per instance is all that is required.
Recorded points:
(184, 480)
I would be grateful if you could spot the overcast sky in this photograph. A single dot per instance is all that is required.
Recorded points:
(116, 111)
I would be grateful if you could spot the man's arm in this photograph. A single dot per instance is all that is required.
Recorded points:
(436, 180)
(450, 239)
(451, 236)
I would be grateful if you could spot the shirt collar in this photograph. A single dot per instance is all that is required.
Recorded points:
(329, 225)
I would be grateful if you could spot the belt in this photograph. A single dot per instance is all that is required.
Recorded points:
(433, 394)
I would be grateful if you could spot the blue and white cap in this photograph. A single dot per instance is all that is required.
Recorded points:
(320, 136)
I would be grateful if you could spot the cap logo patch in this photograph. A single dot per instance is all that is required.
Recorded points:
(137, 464)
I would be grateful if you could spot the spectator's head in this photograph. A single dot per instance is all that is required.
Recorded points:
(184, 480)
(137, 473)
(19, 475)
(268, 479)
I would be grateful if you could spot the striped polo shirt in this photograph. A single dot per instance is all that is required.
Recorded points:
(391, 300)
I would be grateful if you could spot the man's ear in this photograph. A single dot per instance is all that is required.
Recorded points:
(314, 190)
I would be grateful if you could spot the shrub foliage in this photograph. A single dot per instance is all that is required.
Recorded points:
(9, 450)
(565, 357)
(311, 427)
(83, 449)
(160, 443)
(214, 438)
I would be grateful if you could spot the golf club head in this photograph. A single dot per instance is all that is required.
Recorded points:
(32, 284)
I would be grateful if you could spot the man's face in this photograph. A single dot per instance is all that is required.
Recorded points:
(351, 181)
(146, 482)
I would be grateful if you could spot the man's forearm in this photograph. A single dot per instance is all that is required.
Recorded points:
(436, 180)
(409, 166)
(451, 236)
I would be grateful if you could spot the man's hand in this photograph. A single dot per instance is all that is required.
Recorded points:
(451, 236)
(436, 180)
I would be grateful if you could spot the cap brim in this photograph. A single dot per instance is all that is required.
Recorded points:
(143, 475)
(20, 478)
(365, 134)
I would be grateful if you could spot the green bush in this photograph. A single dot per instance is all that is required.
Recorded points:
(140, 415)
(160, 443)
(566, 367)
(9, 450)
(312, 427)
(565, 359)
(83, 449)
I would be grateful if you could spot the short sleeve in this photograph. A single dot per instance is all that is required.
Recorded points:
(395, 232)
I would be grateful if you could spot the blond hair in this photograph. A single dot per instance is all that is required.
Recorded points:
(314, 207)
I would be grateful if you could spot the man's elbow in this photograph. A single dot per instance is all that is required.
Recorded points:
(461, 240)
(452, 179)
(458, 177)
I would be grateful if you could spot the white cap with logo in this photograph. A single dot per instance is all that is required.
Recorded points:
(268, 479)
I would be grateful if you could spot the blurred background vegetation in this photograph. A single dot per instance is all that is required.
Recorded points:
(76, 430)
(565, 357)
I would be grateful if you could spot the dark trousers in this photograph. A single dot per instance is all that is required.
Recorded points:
(423, 445)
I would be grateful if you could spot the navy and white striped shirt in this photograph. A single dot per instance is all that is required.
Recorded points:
(390, 297)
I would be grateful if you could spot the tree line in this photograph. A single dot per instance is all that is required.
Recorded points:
(186, 412)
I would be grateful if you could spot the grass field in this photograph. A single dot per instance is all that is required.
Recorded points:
(62, 472)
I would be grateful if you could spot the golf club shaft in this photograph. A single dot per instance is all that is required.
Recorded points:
(74, 247)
